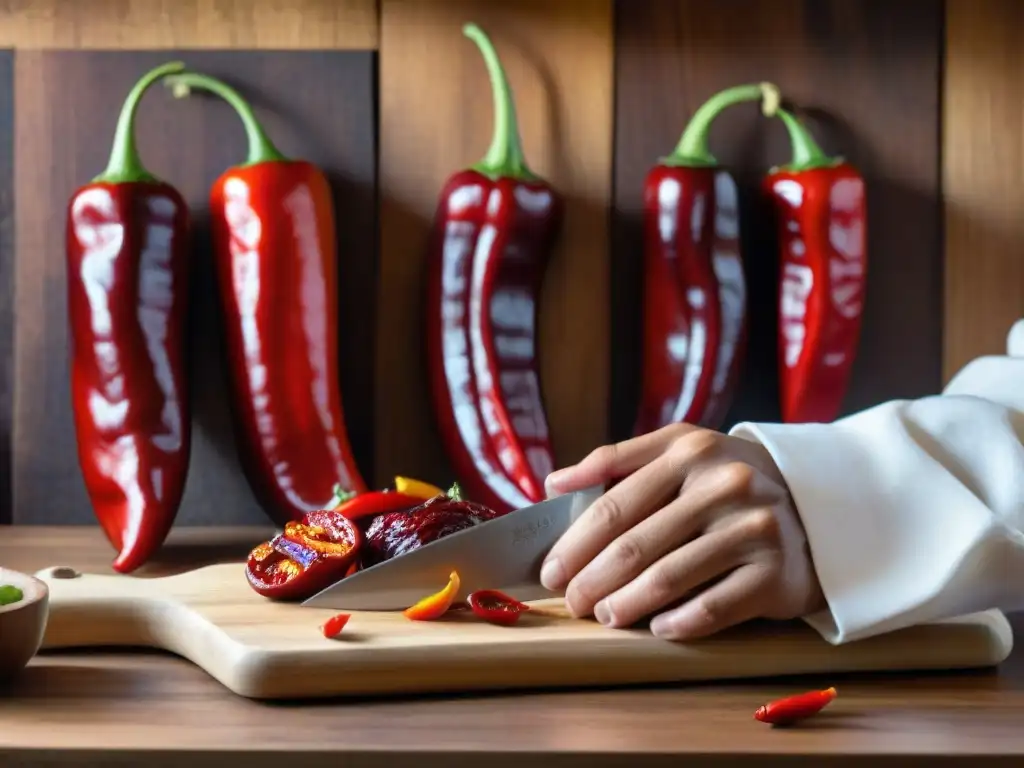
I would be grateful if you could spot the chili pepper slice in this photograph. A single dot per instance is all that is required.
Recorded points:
(417, 488)
(496, 607)
(333, 626)
(821, 214)
(306, 558)
(127, 260)
(793, 708)
(436, 605)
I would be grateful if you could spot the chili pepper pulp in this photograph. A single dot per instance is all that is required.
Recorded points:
(694, 287)
(494, 227)
(275, 251)
(793, 708)
(496, 607)
(820, 207)
(306, 558)
(333, 626)
(127, 291)
(437, 604)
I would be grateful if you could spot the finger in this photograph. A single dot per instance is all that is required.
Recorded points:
(649, 540)
(615, 460)
(672, 578)
(615, 512)
(734, 600)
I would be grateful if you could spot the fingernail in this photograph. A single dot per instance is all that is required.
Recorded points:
(551, 482)
(551, 575)
(663, 627)
(603, 613)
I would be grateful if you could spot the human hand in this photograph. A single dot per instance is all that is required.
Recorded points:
(700, 518)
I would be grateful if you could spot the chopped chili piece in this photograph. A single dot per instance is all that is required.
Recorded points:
(793, 708)
(333, 626)
(417, 488)
(496, 607)
(437, 604)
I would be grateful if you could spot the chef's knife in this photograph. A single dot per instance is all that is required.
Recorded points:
(504, 553)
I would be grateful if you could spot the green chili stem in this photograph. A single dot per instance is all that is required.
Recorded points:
(692, 149)
(505, 155)
(806, 152)
(125, 165)
(261, 148)
(455, 492)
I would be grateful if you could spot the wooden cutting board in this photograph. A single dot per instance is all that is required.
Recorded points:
(266, 650)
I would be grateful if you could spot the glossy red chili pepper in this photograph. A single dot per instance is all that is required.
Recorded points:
(333, 626)
(306, 558)
(493, 231)
(821, 210)
(694, 287)
(496, 607)
(274, 246)
(793, 708)
(376, 502)
(127, 291)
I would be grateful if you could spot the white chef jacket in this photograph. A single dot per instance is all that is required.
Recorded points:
(913, 509)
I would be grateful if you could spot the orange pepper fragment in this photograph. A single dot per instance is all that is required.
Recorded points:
(437, 604)
(416, 488)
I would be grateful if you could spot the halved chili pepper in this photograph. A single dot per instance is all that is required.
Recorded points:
(793, 708)
(436, 605)
(306, 558)
(496, 607)
(820, 206)
(333, 626)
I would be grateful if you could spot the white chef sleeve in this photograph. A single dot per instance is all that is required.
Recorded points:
(914, 509)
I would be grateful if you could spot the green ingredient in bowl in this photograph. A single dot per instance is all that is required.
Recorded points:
(10, 594)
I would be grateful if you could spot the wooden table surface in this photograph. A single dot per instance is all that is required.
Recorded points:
(129, 708)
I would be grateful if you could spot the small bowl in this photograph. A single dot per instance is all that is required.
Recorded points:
(23, 623)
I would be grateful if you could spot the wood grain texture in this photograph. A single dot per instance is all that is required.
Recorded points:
(435, 107)
(6, 276)
(310, 24)
(866, 79)
(318, 105)
(130, 708)
(984, 188)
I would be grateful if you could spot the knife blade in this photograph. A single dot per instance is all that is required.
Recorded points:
(504, 553)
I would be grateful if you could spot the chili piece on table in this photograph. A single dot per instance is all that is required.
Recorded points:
(127, 259)
(276, 259)
(436, 605)
(307, 557)
(496, 607)
(333, 626)
(493, 231)
(793, 708)
(695, 294)
(821, 213)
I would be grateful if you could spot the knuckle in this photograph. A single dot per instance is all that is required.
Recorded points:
(604, 457)
(763, 525)
(606, 514)
(628, 552)
(660, 586)
(698, 443)
(707, 612)
(737, 477)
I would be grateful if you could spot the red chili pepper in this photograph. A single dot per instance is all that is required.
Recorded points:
(496, 607)
(128, 279)
(436, 605)
(819, 201)
(493, 231)
(306, 558)
(376, 502)
(695, 291)
(274, 245)
(333, 626)
(793, 708)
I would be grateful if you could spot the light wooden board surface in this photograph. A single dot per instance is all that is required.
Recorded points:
(435, 118)
(262, 649)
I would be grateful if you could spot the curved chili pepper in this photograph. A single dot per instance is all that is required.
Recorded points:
(819, 202)
(496, 607)
(694, 286)
(437, 604)
(333, 626)
(275, 250)
(493, 231)
(127, 291)
(306, 558)
(417, 488)
(793, 708)
(376, 502)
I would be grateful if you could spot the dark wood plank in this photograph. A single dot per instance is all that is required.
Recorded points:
(868, 76)
(315, 104)
(6, 275)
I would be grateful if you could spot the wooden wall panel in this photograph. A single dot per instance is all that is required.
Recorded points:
(308, 24)
(6, 276)
(318, 105)
(867, 74)
(983, 158)
(435, 107)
